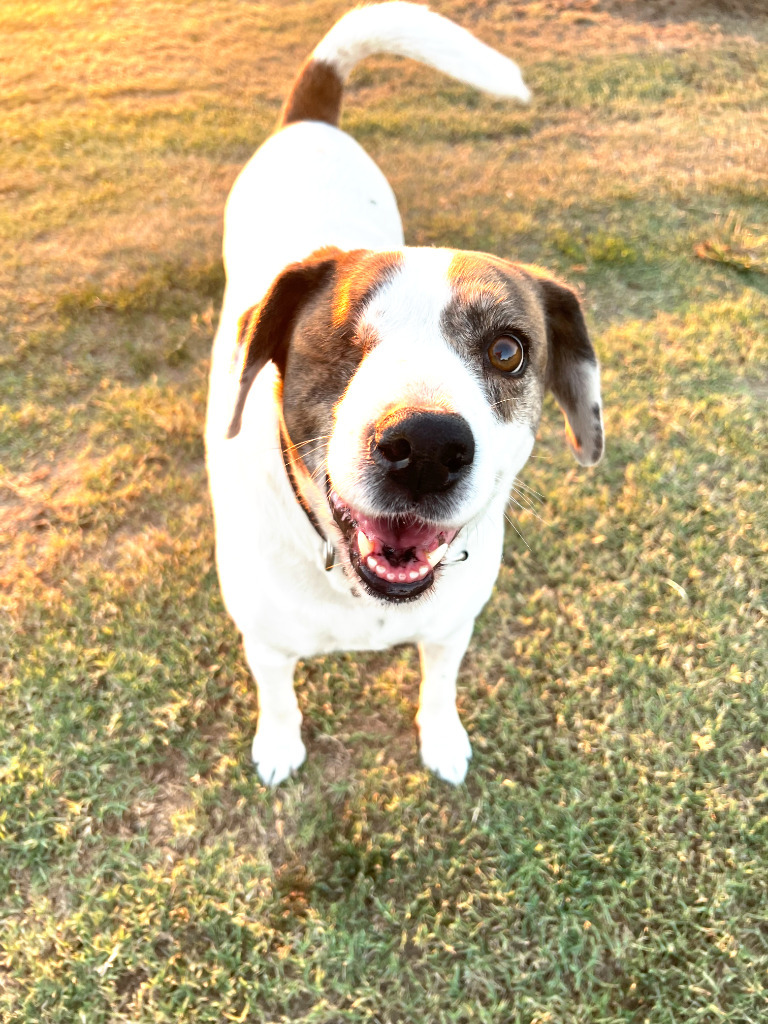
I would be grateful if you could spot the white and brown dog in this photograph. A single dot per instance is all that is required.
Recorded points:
(370, 404)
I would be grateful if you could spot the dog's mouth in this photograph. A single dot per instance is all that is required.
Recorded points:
(395, 557)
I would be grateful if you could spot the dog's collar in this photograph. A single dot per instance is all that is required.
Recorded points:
(294, 467)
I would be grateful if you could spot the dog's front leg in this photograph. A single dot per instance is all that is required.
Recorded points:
(277, 746)
(445, 747)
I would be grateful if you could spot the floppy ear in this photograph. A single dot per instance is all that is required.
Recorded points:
(265, 329)
(573, 373)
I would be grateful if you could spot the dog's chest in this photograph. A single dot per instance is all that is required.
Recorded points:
(318, 612)
(280, 590)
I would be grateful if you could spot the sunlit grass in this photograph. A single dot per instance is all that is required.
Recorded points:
(606, 859)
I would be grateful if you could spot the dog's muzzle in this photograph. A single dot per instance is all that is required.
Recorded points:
(419, 458)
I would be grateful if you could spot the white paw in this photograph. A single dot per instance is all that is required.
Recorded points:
(445, 746)
(277, 751)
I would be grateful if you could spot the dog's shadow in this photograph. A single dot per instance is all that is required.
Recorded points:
(359, 711)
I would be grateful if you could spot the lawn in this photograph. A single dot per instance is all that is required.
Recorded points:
(606, 860)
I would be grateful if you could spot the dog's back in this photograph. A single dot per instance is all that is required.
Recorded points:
(310, 185)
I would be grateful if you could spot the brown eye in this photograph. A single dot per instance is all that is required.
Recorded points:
(507, 354)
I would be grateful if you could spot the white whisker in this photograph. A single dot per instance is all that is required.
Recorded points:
(531, 490)
(320, 437)
(517, 530)
(523, 505)
(315, 474)
(527, 508)
(308, 455)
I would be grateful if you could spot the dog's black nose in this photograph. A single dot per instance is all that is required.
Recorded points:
(423, 452)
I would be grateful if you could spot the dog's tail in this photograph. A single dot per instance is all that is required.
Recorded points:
(403, 29)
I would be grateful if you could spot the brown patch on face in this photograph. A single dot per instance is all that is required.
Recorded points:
(322, 297)
(359, 277)
(494, 298)
(315, 95)
(326, 348)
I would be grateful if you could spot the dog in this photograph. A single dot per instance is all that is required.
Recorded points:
(371, 404)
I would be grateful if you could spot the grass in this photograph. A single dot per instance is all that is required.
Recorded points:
(607, 859)
(737, 246)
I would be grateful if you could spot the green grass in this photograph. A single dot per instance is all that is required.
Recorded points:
(606, 861)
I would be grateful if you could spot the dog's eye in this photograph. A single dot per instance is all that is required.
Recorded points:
(507, 354)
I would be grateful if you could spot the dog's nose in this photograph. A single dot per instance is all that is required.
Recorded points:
(423, 452)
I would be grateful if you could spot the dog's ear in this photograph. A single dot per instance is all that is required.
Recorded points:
(573, 373)
(265, 329)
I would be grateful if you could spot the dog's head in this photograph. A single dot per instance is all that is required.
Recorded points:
(412, 386)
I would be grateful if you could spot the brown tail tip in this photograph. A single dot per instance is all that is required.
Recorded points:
(315, 96)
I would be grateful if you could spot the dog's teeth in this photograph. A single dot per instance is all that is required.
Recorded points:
(365, 546)
(433, 557)
(413, 574)
(372, 563)
(380, 570)
(423, 570)
(391, 577)
(402, 577)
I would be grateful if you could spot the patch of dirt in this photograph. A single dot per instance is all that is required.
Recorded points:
(171, 797)
(679, 10)
(758, 388)
(557, 27)
(337, 758)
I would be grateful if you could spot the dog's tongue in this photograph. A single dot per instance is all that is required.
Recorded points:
(401, 550)
(402, 534)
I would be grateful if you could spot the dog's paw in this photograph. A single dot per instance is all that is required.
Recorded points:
(445, 746)
(276, 752)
